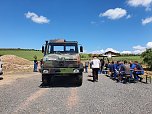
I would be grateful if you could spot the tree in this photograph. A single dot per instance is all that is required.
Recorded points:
(147, 57)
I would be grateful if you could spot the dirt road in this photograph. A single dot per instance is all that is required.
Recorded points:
(22, 94)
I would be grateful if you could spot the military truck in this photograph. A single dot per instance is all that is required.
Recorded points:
(61, 58)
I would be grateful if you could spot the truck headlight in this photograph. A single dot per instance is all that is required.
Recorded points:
(45, 71)
(76, 71)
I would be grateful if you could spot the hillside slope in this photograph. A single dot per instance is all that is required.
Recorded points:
(14, 64)
(23, 53)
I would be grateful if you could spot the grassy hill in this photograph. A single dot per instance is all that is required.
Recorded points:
(128, 58)
(119, 58)
(24, 53)
(30, 53)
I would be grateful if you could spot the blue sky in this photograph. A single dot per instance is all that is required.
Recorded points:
(119, 25)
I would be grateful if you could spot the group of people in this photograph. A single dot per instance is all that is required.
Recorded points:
(119, 71)
(124, 71)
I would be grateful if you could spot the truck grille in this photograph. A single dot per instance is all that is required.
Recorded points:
(61, 64)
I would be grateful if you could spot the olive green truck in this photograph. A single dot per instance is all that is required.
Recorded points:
(61, 58)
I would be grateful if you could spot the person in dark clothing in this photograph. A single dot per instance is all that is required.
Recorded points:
(117, 66)
(86, 66)
(138, 70)
(35, 65)
(132, 67)
(102, 64)
(111, 69)
(124, 70)
(106, 67)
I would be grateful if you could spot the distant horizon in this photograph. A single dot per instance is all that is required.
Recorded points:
(79, 52)
(19, 48)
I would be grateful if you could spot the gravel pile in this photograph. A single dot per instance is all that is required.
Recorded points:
(13, 64)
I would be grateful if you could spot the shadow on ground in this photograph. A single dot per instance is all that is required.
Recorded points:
(91, 80)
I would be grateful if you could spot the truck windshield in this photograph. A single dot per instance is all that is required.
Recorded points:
(66, 48)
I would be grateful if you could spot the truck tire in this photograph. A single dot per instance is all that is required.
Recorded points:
(81, 67)
(79, 79)
(51, 80)
(45, 80)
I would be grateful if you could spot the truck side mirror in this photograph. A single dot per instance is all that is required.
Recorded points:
(81, 48)
(42, 49)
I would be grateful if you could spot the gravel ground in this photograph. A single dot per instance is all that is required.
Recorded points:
(24, 96)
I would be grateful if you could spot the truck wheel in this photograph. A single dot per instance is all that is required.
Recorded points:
(45, 80)
(79, 80)
(51, 80)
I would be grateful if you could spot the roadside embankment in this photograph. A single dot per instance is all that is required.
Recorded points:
(13, 64)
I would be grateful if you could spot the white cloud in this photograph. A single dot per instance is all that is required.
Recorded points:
(144, 3)
(37, 19)
(111, 49)
(128, 16)
(147, 20)
(135, 3)
(114, 14)
(103, 51)
(126, 52)
(149, 45)
(138, 47)
(137, 52)
(97, 52)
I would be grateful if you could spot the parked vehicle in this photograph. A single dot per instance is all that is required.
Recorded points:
(61, 58)
(1, 70)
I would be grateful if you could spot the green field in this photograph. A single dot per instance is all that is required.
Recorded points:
(119, 58)
(27, 54)
(128, 58)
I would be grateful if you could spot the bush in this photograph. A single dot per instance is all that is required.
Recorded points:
(147, 57)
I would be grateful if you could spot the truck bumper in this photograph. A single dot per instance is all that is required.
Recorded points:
(61, 71)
